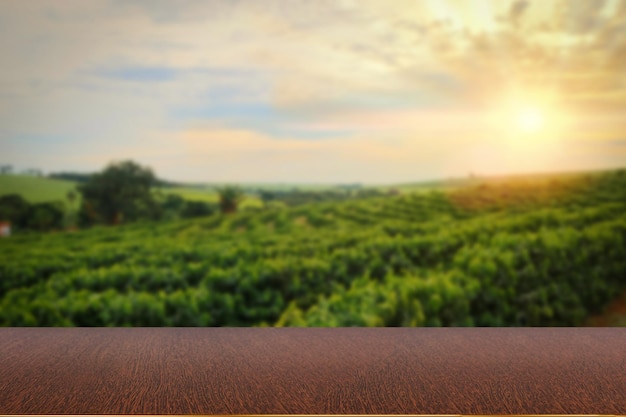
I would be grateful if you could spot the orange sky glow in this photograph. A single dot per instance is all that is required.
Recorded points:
(372, 91)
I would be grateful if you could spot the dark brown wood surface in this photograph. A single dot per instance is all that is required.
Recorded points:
(312, 371)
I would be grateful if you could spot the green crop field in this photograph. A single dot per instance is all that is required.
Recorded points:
(209, 196)
(193, 194)
(521, 252)
(36, 189)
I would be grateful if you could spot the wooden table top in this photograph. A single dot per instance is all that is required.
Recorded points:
(312, 371)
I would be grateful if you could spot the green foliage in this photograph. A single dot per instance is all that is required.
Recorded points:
(39, 216)
(230, 197)
(121, 192)
(408, 260)
(193, 194)
(196, 209)
(15, 209)
(45, 216)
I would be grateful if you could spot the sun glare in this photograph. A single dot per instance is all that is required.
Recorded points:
(529, 120)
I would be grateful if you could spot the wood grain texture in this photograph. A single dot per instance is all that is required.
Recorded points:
(312, 371)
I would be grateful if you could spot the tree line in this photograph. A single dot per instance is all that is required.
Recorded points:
(123, 192)
(26, 216)
(126, 191)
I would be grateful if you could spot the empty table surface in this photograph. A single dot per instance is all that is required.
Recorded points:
(312, 371)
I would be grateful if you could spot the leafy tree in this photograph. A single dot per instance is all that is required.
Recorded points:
(23, 215)
(6, 169)
(267, 196)
(122, 192)
(14, 208)
(173, 202)
(230, 196)
(196, 209)
(45, 216)
(71, 215)
(71, 196)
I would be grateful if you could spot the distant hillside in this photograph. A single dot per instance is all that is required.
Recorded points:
(40, 189)
(36, 189)
(207, 195)
(473, 180)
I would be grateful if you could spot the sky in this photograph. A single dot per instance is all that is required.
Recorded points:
(318, 91)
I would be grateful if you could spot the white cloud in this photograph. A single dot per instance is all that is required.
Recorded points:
(392, 73)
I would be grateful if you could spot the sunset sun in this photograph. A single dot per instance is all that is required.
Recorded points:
(535, 117)
(529, 120)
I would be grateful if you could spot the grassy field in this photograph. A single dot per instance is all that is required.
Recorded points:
(41, 189)
(36, 189)
(193, 194)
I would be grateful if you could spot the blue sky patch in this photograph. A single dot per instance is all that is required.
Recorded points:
(259, 117)
(147, 74)
(226, 111)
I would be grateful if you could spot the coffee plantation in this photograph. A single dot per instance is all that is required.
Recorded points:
(510, 253)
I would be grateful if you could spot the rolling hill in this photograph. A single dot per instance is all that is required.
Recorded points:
(36, 189)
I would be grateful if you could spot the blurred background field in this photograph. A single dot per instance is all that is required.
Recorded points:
(320, 163)
(35, 189)
(542, 250)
